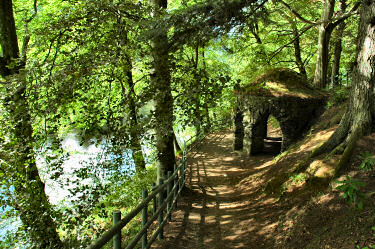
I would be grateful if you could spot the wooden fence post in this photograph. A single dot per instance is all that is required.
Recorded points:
(169, 206)
(184, 175)
(175, 184)
(154, 200)
(117, 237)
(180, 179)
(161, 197)
(144, 219)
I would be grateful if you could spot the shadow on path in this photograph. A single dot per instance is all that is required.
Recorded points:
(214, 212)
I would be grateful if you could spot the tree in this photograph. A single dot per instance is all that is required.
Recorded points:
(326, 27)
(338, 47)
(135, 138)
(359, 118)
(18, 166)
(296, 42)
(161, 85)
(325, 31)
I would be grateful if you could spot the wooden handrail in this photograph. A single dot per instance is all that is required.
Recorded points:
(171, 197)
(107, 236)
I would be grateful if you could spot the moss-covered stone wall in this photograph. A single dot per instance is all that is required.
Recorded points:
(294, 112)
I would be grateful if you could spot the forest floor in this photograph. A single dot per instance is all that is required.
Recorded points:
(226, 205)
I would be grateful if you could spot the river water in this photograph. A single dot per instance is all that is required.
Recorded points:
(78, 156)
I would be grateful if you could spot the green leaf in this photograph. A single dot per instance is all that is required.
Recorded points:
(360, 205)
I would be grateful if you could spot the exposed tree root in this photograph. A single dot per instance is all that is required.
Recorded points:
(336, 139)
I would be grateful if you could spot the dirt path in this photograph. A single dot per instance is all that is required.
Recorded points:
(216, 211)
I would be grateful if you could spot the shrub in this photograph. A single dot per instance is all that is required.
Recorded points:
(368, 161)
(352, 194)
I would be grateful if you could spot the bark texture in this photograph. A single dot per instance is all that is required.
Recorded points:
(130, 98)
(325, 31)
(338, 47)
(359, 117)
(161, 83)
(8, 38)
(30, 201)
(135, 140)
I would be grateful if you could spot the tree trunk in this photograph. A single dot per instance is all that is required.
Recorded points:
(360, 115)
(207, 115)
(197, 93)
(338, 48)
(177, 147)
(205, 104)
(297, 50)
(296, 42)
(135, 142)
(129, 99)
(8, 38)
(325, 31)
(161, 83)
(197, 111)
(31, 201)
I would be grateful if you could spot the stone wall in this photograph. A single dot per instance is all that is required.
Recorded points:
(295, 116)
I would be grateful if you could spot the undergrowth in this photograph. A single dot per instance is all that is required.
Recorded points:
(123, 195)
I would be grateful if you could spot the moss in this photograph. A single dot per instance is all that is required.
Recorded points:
(280, 82)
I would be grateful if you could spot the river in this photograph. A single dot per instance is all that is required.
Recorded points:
(78, 156)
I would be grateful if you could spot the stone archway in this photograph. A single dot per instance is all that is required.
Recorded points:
(283, 94)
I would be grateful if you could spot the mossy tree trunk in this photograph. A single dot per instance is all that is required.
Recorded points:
(297, 49)
(129, 98)
(338, 47)
(18, 157)
(197, 93)
(208, 123)
(161, 84)
(326, 27)
(360, 115)
(177, 148)
(135, 141)
(325, 31)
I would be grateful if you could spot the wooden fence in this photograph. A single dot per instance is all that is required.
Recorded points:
(164, 199)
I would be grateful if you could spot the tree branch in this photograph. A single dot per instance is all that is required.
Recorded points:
(291, 41)
(343, 17)
(295, 13)
(35, 12)
(26, 38)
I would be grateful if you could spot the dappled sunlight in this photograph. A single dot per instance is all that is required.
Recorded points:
(323, 168)
(316, 139)
(221, 209)
(225, 205)
(265, 165)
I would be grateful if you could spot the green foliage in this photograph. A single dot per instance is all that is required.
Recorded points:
(76, 78)
(273, 122)
(338, 96)
(80, 227)
(368, 161)
(367, 247)
(298, 178)
(351, 192)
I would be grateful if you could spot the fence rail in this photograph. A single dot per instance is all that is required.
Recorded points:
(163, 197)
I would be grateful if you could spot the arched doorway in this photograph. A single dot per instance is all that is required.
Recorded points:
(279, 96)
(273, 139)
